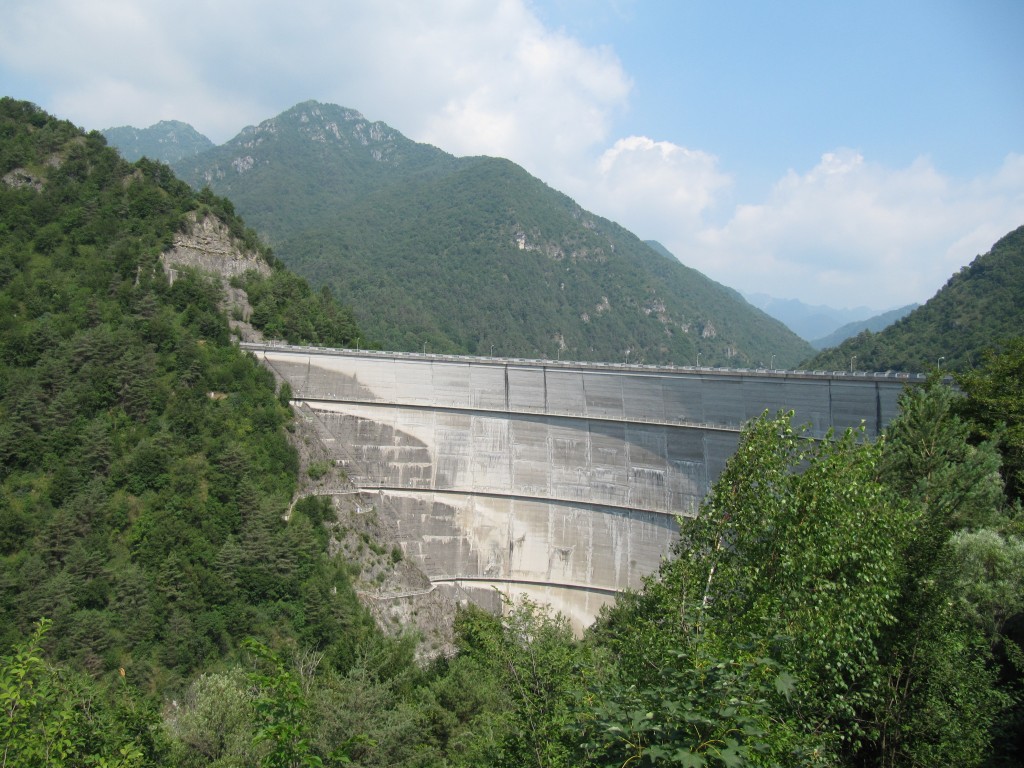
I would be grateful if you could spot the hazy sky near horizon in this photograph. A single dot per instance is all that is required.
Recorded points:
(841, 153)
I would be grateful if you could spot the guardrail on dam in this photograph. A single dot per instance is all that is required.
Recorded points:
(555, 479)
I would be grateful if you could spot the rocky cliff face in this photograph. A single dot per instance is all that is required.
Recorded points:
(209, 247)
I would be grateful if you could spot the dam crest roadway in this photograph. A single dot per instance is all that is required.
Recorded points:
(554, 479)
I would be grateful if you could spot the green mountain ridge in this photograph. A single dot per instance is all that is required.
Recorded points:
(874, 324)
(979, 307)
(168, 141)
(460, 255)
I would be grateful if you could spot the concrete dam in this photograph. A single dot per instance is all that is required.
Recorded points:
(557, 480)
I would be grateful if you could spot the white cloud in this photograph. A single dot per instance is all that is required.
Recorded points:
(509, 87)
(487, 77)
(849, 232)
(473, 77)
(654, 185)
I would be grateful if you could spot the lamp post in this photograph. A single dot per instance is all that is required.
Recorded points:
(938, 363)
(698, 359)
(492, 350)
(772, 366)
(852, 361)
(424, 347)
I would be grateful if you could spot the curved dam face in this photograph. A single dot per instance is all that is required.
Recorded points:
(561, 481)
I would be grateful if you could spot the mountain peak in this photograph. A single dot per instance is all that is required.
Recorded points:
(327, 122)
(327, 132)
(325, 110)
(168, 141)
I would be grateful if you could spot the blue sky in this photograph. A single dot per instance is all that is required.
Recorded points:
(762, 84)
(842, 153)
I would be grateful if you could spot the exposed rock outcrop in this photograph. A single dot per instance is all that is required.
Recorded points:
(20, 178)
(209, 247)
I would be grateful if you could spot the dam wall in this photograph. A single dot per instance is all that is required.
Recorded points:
(561, 481)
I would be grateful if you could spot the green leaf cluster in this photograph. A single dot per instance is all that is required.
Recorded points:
(284, 307)
(54, 717)
(994, 408)
(882, 579)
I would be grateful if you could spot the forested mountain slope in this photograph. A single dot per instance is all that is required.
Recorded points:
(469, 254)
(978, 307)
(144, 463)
(873, 324)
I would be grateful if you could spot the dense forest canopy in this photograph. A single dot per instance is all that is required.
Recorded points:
(834, 603)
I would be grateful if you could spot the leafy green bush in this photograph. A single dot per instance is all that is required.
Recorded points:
(317, 469)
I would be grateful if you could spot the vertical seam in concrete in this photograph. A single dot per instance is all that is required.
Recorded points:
(551, 531)
(435, 457)
(544, 378)
(707, 474)
(512, 453)
(628, 533)
(831, 415)
(878, 410)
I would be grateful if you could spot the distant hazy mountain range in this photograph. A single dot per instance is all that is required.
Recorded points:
(825, 326)
(874, 324)
(980, 306)
(472, 255)
(806, 320)
(168, 141)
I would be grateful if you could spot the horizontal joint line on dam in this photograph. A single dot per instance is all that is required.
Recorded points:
(530, 582)
(562, 502)
(705, 427)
